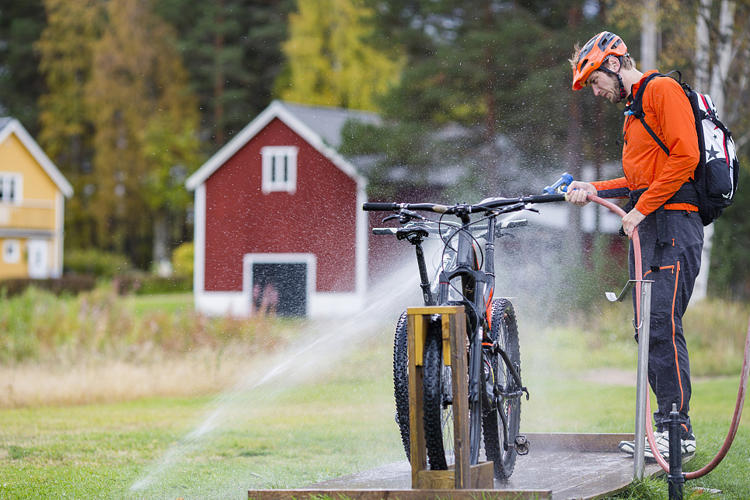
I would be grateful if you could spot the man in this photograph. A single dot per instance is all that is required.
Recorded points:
(663, 206)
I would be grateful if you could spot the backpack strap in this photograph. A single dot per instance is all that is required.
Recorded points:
(635, 108)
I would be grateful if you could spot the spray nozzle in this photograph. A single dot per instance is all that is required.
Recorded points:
(561, 186)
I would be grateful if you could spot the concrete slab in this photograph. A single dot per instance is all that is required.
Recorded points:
(558, 466)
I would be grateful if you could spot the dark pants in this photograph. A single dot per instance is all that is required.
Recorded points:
(671, 245)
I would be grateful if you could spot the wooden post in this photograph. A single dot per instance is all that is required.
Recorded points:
(463, 475)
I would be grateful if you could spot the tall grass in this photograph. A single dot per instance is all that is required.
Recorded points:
(715, 331)
(38, 326)
(100, 346)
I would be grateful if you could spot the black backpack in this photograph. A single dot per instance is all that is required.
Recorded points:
(717, 172)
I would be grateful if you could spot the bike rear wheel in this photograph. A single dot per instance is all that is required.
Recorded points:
(504, 412)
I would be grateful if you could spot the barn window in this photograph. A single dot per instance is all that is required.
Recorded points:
(10, 187)
(279, 168)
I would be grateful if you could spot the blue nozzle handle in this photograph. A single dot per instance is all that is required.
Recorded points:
(561, 185)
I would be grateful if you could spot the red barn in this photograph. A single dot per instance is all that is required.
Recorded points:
(278, 219)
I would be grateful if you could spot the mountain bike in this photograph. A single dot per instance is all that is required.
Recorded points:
(465, 277)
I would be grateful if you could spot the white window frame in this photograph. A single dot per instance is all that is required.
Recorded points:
(275, 177)
(8, 181)
(14, 255)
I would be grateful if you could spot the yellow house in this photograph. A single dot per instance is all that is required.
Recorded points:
(32, 204)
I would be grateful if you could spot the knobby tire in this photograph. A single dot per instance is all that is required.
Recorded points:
(504, 330)
(434, 398)
(401, 380)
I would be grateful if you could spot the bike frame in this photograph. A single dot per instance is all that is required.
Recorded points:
(477, 283)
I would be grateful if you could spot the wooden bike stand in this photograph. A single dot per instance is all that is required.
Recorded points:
(463, 475)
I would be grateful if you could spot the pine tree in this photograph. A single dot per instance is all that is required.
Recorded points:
(496, 71)
(20, 85)
(232, 50)
(330, 57)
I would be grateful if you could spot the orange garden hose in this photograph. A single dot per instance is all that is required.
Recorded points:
(743, 375)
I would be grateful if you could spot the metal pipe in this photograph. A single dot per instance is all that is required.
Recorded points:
(644, 330)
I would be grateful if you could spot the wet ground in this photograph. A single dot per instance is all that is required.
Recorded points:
(558, 466)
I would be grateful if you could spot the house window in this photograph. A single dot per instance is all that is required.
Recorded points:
(10, 188)
(11, 251)
(279, 169)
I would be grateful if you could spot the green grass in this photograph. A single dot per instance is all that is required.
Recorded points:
(336, 422)
(172, 303)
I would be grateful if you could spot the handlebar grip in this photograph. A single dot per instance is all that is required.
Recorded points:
(379, 206)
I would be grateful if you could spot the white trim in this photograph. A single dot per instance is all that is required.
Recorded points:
(322, 305)
(275, 110)
(15, 127)
(15, 251)
(270, 175)
(199, 243)
(57, 242)
(278, 258)
(220, 303)
(361, 234)
(330, 304)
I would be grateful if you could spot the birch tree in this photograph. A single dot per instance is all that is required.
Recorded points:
(330, 61)
(715, 71)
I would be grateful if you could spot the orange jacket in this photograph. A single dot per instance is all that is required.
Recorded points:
(667, 111)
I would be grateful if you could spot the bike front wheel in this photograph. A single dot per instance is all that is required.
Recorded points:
(438, 404)
(502, 420)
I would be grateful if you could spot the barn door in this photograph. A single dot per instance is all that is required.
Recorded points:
(279, 288)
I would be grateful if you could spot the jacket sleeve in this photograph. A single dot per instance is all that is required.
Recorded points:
(675, 116)
(614, 188)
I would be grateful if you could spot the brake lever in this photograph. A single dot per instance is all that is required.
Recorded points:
(404, 216)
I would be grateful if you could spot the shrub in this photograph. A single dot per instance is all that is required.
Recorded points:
(70, 283)
(152, 284)
(182, 259)
(142, 283)
(97, 262)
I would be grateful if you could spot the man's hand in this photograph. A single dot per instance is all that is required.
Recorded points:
(631, 220)
(578, 192)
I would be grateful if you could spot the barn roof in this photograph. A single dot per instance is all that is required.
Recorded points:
(319, 126)
(9, 125)
(327, 122)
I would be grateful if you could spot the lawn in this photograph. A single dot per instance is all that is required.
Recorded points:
(326, 412)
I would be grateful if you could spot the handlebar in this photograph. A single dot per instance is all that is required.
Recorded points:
(433, 228)
(483, 206)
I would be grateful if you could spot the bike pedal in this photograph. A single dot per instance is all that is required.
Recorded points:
(522, 445)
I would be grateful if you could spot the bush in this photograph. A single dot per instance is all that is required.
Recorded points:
(97, 262)
(182, 259)
(70, 283)
(141, 283)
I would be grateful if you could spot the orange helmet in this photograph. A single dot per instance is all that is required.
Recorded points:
(594, 53)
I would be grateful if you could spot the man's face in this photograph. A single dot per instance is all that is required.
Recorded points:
(605, 85)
